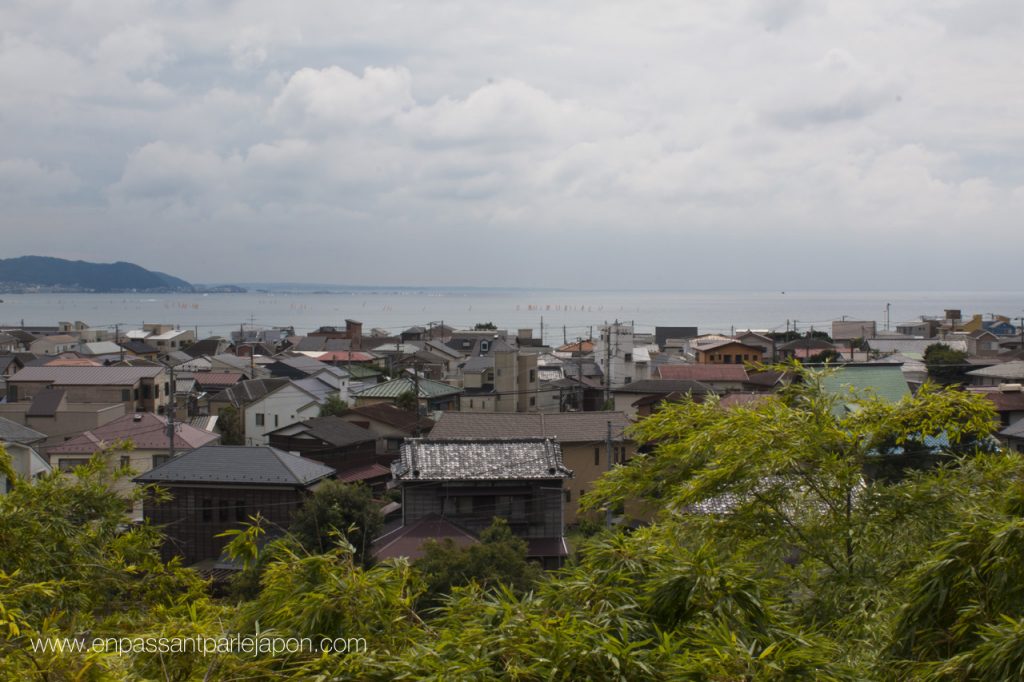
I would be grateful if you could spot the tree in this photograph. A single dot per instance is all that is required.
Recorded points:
(231, 428)
(334, 406)
(337, 513)
(500, 558)
(484, 326)
(408, 401)
(945, 365)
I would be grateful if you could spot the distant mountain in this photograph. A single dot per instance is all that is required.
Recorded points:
(42, 272)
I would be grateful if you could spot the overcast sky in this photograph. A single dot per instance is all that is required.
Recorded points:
(780, 144)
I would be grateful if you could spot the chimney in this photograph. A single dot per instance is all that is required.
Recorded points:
(354, 332)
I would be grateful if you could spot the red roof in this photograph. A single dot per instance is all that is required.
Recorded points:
(146, 430)
(696, 372)
(217, 378)
(364, 473)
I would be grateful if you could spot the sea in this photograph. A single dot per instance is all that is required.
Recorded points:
(564, 315)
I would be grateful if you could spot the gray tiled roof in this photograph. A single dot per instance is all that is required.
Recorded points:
(664, 387)
(484, 459)
(1015, 430)
(13, 432)
(333, 430)
(247, 391)
(238, 465)
(565, 427)
(428, 388)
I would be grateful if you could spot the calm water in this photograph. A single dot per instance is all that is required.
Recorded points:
(396, 310)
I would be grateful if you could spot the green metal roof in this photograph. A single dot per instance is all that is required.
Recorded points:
(884, 381)
(396, 387)
(362, 371)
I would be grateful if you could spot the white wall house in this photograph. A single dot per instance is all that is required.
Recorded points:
(290, 403)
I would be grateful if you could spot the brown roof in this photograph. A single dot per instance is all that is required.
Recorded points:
(566, 427)
(696, 372)
(147, 431)
(408, 541)
(45, 403)
(363, 473)
(393, 416)
(217, 378)
(1005, 401)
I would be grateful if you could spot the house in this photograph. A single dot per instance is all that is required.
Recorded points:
(353, 333)
(20, 443)
(390, 425)
(433, 396)
(758, 340)
(150, 440)
(139, 349)
(983, 343)
(10, 365)
(499, 378)
(852, 381)
(51, 413)
(924, 328)
(213, 383)
(216, 488)
(265, 405)
(213, 345)
(1005, 373)
(805, 348)
(140, 389)
(53, 345)
(1013, 436)
(727, 352)
(348, 449)
(642, 398)
(9, 343)
(1008, 399)
(172, 339)
(470, 482)
(889, 345)
(582, 436)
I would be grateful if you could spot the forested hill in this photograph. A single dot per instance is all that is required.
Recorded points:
(27, 272)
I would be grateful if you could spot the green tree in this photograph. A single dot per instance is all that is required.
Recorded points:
(500, 558)
(946, 366)
(334, 406)
(232, 431)
(337, 513)
(484, 326)
(408, 401)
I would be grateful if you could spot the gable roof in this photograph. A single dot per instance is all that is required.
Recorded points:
(139, 347)
(45, 403)
(218, 379)
(332, 430)
(428, 388)
(238, 465)
(885, 381)
(146, 430)
(697, 372)
(407, 541)
(484, 459)
(565, 427)
(246, 392)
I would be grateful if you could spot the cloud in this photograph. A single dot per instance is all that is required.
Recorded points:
(332, 98)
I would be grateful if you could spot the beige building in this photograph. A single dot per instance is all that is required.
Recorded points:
(139, 389)
(52, 414)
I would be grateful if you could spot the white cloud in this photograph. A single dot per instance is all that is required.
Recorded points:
(332, 98)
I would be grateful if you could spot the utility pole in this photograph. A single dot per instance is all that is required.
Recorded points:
(117, 339)
(608, 450)
(607, 338)
(542, 330)
(565, 339)
(579, 380)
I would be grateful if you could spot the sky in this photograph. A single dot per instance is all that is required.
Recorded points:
(777, 144)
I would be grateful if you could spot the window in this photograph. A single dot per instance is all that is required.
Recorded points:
(628, 380)
(167, 388)
(126, 395)
(629, 357)
(533, 401)
(12, 394)
(125, 461)
(222, 511)
(484, 346)
(275, 420)
(135, 394)
(533, 375)
(471, 403)
(68, 464)
(156, 390)
(259, 419)
(597, 456)
(568, 495)
(207, 509)
(159, 459)
(145, 391)
(240, 514)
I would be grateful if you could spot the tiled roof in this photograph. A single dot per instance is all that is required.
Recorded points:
(695, 372)
(363, 473)
(1015, 430)
(146, 430)
(480, 460)
(884, 381)
(345, 356)
(13, 432)
(393, 416)
(246, 392)
(408, 541)
(664, 387)
(139, 347)
(428, 388)
(333, 430)
(217, 378)
(565, 427)
(238, 465)
(1013, 371)
(87, 376)
(320, 390)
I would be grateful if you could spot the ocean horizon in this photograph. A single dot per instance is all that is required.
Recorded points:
(565, 313)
